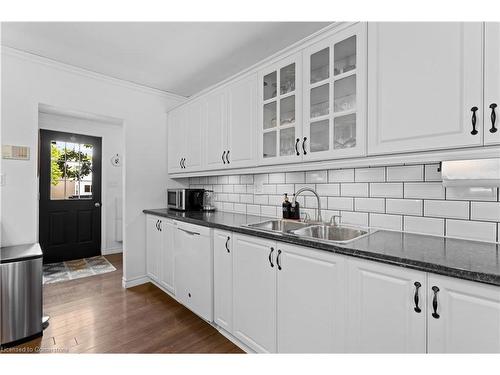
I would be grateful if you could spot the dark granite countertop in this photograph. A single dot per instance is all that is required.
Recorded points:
(469, 260)
(18, 253)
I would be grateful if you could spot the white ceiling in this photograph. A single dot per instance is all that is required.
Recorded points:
(179, 57)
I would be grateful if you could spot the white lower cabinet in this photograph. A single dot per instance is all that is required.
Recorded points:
(154, 243)
(193, 268)
(223, 279)
(382, 314)
(254, 292)
(463, 316)
(160, 251)
(310, 301)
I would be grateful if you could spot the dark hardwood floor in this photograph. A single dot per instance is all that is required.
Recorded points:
(96, 315)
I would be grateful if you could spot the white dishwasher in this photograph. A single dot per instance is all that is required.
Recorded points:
(193, 268)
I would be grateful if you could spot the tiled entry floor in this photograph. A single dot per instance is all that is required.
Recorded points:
(76, 269)
(96, 315)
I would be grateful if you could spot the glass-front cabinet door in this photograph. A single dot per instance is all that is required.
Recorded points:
(280, 111)
(334, 117)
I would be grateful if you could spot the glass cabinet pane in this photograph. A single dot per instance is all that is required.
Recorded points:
(344, 94)
(287, 141)
(270, 115)
(344, 132)
(287, 79)
(320, 65)
(269, 144)
(345, 55)
(270, 85)
(287, 110)
(320, 97)
(320, 136)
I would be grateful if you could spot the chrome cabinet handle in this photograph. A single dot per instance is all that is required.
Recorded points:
(224, 154)
(270, 257)
(474, 120)
(415, 297)
(493, 117)
(278, 260)
(227, 248)
(189, 232)
(435, 315)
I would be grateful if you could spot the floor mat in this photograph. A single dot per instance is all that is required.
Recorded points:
(76, 269)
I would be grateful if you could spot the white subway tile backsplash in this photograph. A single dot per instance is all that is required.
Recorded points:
(341, 175)
(487, 211)
(406, 173)
(295, 177)
(404, 206)
(432, 172)
(384, 221)
(354, 218)
(317, 177)
(477, 230)
(446, 209)
(328, 190)
(388, 197)
(260, 199)
(369, 174)
(471, 194)
(424, 190)
(276, 178)
(358, 189)
(386, 190)
(424, 225)
(340, 203)
(253, 209)
(369, 204)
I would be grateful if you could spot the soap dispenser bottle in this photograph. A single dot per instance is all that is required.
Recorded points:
(286, 207)
(294, 209)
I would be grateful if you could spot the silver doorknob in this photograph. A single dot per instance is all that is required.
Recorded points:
(97, 204)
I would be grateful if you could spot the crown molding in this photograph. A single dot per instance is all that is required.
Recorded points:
(10, 51)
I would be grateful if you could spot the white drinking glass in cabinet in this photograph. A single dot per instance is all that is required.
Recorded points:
(331, 103)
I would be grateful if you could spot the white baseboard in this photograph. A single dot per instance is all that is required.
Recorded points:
(134, 282)
(116, 250)
(233, 339)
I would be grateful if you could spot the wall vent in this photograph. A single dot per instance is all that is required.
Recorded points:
(15, 152)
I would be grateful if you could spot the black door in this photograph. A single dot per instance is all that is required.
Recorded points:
(70, 196)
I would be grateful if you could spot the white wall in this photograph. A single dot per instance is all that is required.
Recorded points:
(28, 81)
(112, 144)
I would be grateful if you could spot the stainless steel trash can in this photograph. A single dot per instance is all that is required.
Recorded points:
(20, 294)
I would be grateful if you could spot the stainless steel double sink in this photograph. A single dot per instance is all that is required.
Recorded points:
(317, 231)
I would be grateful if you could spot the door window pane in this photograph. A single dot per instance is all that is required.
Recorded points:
(344, 132)
(320, 135)
(320, 65)
(319, 100)
(269, 144)
(287, 141)
(270, 115)
(345, 94)
(345, 55)
(287, 110)
(70, 171)
(270, 85)
(287, 79)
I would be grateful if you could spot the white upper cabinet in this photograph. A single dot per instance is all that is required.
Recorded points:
(335, 96)
(177, 119)
(424, 86)
(492, 83)
(383, 314)
(242, 121)
(463, 316)
(280, 103)
(216, 130)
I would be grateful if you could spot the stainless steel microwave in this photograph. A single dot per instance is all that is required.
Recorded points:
(185, 199)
